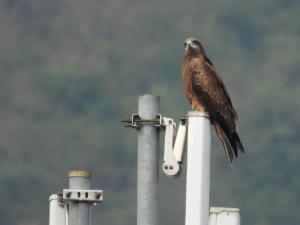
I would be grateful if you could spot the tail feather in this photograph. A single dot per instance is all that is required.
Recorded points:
(231, 142)
(228, 148)
(238, 142)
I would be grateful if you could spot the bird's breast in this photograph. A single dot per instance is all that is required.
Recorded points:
(190, 69)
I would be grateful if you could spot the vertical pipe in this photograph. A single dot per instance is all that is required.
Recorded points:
(79, 212)
(57, 213)
(198, 169)
(147, 168)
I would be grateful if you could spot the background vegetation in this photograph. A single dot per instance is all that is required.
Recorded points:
(70, 70)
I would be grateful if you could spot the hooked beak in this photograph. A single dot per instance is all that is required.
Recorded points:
(187, 45)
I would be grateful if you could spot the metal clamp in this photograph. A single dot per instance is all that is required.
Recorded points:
(173, 157)
(135, 121)
(173, 153)
(170, 165)
(92, 196)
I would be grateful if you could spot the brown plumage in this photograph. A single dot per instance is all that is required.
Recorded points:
(206, 92)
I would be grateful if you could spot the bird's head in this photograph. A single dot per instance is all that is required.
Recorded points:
(192, 45)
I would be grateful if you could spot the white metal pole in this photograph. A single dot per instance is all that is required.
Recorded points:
(57, 211)
(198, 169)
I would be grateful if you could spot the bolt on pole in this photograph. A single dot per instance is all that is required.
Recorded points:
(198, 169)
(147, 168)
(79, 212)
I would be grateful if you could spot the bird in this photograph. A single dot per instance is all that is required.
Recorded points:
(206, 92)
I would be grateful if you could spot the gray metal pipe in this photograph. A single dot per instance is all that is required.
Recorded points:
(79, 213)
(147, 168)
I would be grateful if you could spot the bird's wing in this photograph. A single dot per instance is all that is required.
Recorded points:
(207, 60)
(210, 69)
(209, 87)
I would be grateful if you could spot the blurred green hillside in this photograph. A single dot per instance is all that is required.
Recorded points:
(70, 70)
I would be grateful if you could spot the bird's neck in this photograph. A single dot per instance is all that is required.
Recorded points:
(191, 55)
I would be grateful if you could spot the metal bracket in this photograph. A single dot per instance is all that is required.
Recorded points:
(135, 121)
(173, 156)
(180, 140)
(92, 196)
(173, 153)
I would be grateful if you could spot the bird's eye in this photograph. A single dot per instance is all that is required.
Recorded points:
(185, 44)
(196, 42)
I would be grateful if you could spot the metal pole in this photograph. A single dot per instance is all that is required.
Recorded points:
(79, 213)
(147, 168)
(57, 212)
(198, 169)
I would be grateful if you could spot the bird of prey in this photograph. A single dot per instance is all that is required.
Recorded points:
(206, 92)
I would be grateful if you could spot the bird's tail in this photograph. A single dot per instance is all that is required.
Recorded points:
(237, 141)
(229, 151)
(231, 142)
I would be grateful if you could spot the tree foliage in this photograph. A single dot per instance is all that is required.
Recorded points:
(70, 70)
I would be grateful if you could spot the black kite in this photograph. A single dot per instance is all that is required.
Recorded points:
(206, 92)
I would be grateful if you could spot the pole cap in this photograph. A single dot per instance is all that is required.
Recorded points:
(198, 114)
(217, 210)
(80, 173)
